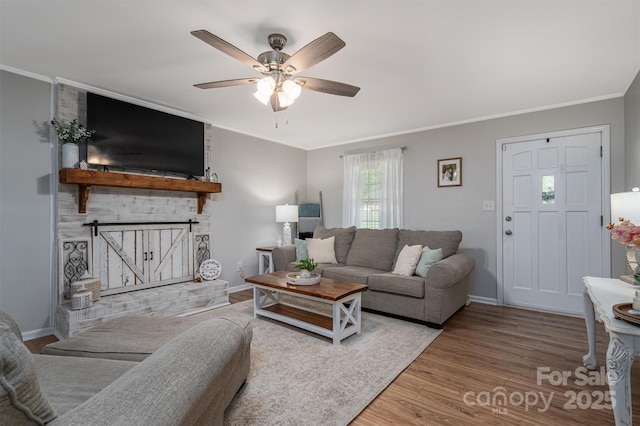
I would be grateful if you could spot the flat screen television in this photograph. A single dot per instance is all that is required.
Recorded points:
(135, 138)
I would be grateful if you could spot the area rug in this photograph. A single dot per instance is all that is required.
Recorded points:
(300, 378)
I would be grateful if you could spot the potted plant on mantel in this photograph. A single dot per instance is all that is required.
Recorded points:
(70, 134)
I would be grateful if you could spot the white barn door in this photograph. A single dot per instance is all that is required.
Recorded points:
(551, 225)
(131, 258)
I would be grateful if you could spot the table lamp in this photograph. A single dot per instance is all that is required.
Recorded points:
(286, 214)
(626, 205)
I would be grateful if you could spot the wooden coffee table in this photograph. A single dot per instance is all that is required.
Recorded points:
(345, 298)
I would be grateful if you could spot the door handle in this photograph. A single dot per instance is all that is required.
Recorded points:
(508, 232)
(508, 218)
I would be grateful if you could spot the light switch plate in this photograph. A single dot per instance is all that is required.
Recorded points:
(488, 206)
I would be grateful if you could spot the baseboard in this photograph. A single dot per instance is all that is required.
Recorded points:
(491, 301)
(34, 334)
(484, 300)
(546, 310)
(237, 288)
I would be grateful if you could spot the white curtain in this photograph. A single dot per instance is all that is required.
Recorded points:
(372, 191)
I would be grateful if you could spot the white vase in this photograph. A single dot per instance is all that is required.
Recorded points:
(70, 155)
(304, 274)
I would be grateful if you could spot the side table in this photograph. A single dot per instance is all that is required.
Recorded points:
(600, 294)
(265, 260)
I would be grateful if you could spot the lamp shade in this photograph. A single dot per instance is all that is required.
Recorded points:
(284, 100)
(264, 99)
(266, 85)
(627, 206)
(291, 89)
(286, 213)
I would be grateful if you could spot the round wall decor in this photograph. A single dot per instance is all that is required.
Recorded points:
(210, 269)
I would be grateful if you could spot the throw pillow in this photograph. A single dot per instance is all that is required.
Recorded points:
(301, 249)
(344, 238)
(21, 399)
(407, 260)
(427, 260)
(6, 319)
(322, 250)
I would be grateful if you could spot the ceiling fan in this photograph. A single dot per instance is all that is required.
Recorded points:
(281, 85)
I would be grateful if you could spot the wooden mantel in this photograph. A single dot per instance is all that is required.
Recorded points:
(85, 179)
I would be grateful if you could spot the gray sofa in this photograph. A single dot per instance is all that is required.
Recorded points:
(367, 256)
(185, 372)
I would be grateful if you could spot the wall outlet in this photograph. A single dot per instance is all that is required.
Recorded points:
(239, 266)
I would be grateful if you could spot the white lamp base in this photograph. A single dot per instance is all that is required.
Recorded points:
(286, 234)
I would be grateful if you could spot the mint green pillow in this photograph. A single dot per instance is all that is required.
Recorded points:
(427, 260)
(301, 249)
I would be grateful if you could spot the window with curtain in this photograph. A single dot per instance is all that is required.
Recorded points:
(372, 192)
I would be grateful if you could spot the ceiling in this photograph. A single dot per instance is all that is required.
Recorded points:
(420, 64)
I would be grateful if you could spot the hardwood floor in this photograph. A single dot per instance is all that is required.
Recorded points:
(36, 345)
(486, 349)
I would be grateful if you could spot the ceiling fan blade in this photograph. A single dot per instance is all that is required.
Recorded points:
(316, 51)
(327, 86)
(275, 103)
(228, 48)
(225, 83)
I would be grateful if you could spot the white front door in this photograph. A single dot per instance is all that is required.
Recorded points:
(551, 220)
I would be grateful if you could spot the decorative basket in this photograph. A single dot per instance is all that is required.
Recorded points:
(82, 300)
(77, 287)
(95, 287)
(91, 284)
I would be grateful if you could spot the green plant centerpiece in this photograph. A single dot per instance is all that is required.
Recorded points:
(71, 131)
(306, 267)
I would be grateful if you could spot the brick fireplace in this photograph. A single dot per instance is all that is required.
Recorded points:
(146, 259)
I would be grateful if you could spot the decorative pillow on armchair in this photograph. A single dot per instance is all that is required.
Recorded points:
(21, 400)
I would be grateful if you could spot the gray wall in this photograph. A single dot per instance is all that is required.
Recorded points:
(25, 201)
(632, 134)
(429, 207)
(256, 175)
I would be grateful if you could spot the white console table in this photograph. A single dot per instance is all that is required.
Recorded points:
(600, 295)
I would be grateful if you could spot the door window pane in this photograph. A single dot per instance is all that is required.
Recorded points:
(548, 189)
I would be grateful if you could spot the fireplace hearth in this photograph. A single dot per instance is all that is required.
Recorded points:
(168, 300)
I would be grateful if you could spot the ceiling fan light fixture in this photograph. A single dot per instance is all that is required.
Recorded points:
(266, 85)
(262, 97)
(284, 100)
(291, 89)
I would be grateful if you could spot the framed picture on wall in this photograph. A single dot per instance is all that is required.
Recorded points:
(450, 172)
